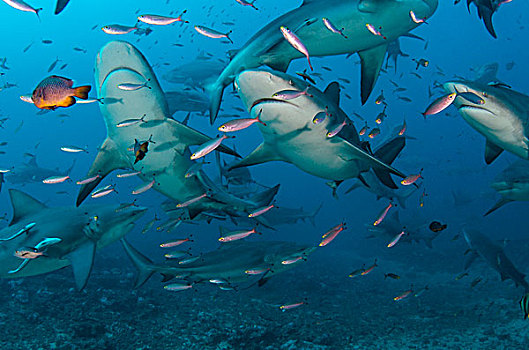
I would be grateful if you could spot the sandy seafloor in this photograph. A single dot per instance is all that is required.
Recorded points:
(46, 312)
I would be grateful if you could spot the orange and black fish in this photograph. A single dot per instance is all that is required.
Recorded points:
(436, 226)
(141, 149)
(56, 91)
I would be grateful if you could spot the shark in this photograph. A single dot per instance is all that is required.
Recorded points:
(494, 255)
(168, 157)
(512, 184)
(66, 236)
(229, 263)
(186, 100)
(290, 135)
(394, 51)
(503, 118)
(391, 226)
(31, 172)
(268, 47)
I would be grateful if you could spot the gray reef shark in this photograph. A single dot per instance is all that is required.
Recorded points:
(269, 47)
(31, 172)
(229, 263)
(60, 236)
(503, 119)
(290, 135)
(168, 158)
(186, 100)
(494, 256)
(512, 184)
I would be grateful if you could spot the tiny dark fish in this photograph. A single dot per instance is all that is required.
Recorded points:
(475, 282)
(392, 276)
(436, 226)
(47, 41)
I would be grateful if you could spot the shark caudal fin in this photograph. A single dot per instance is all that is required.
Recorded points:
(144, 265)
(215, 91)
(265, 197)
(312, 216)
(387, 154)
(485, 12)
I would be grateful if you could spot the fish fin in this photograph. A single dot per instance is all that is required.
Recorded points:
(82, 91)
(387, 155)
(353, 187)
(186, 119)
(362, 180)
(413, 36)
(498, 205)
(402, 196)
(261, 154)
(262, 281)
(107, 160)
(144, 266)
(312, 216)
(332, 92)
(486, 13)
(82, 260)
(66, 102)
(492, 152)
(265, 197)
(471, 258)
(280, 66)
(32, 160)
(190, 136)
(215, 91)
(371, 62)
(61, 4)
(23, 205)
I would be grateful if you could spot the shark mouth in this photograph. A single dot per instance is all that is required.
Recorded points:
(465, 107)
(270, 100)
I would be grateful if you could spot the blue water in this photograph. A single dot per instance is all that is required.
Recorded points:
(339, 312)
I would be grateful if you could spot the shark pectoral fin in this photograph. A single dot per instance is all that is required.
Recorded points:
(278, 65)
(261, 154)
(363, 181)
(265, 197)
(353, 187)
(332, 92)
(471, 258)
(82, 260)
(387, 155)
(492, 152)
(107, 160)
(61, 4)
(371, 61)
(23, 205)
(143, 264)
(498, 205)
(190, 136)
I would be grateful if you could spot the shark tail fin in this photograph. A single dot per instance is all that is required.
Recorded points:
(215, 91)
(265, 197)
(312, 216)
(144, 265)
(387, 154)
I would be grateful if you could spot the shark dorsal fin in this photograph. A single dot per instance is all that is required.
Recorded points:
(82, 260)
(33, 161)
(23, 205)
(332, 91)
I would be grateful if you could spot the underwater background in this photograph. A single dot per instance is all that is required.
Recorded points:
(336, 311)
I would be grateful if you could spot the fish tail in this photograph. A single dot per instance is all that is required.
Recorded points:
(37, 12)
(82, 91)
(228, 36)
(144, 265)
